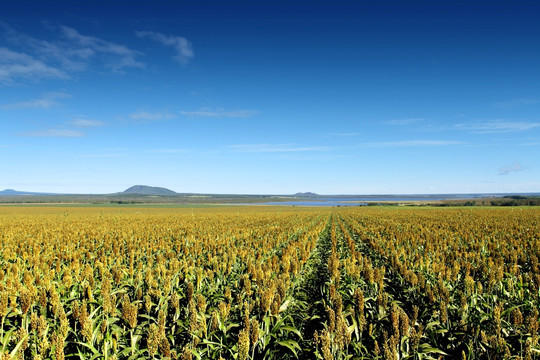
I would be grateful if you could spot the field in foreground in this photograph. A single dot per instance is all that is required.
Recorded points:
(269, 283)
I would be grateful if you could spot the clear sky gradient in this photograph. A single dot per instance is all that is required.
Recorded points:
(270, 97)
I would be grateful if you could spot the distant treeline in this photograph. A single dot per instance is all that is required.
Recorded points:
(510, 200)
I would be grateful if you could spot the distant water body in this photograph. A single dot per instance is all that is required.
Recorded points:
(315, 203)
(363, 200)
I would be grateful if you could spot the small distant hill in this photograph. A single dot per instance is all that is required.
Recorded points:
(11, 192)
(148, 190)
(306, 194)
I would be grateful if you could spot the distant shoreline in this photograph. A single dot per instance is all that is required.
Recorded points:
(281, 200)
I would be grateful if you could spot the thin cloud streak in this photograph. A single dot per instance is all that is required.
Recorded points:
(497, 126)
(151, 116)
(344, 134)
(110, 155)
(515, 103)
(221, 113)
(403, 122)
(86, 123)
(46, 101)
(183, 48)
(275, 148)
(19, 65)
(54, 133)
(71, 52)
(166, 151)
(68, 57)
(530, 144)
(411, 143)
(93, 45)
(473, 127)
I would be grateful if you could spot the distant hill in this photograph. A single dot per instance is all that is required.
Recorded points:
(148, 190)
(306, 194)
(11, 192)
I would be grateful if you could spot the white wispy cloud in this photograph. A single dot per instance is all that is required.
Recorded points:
(498, 126)
(166, 151)
(151, 116)
(58, 58)
(276, 148)
(505, 170)
(403, 122)
(104, 155)
(351, 134)
(515, 103)
(54, 133)
(412, 143)
(475, 127)
(86, 122)
(221, 113)
(182, 47)
(89, 46)
(532, 143)
(45, 101)
(67, 57)
(19, 65)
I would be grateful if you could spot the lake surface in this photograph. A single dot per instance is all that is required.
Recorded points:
(362, 200)
(316, 203)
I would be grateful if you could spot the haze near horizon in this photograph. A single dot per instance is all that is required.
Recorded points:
(270, 97)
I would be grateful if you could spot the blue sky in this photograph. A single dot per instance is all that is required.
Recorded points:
(340, 97)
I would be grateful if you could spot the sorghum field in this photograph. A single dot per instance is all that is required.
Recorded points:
(269, 283)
